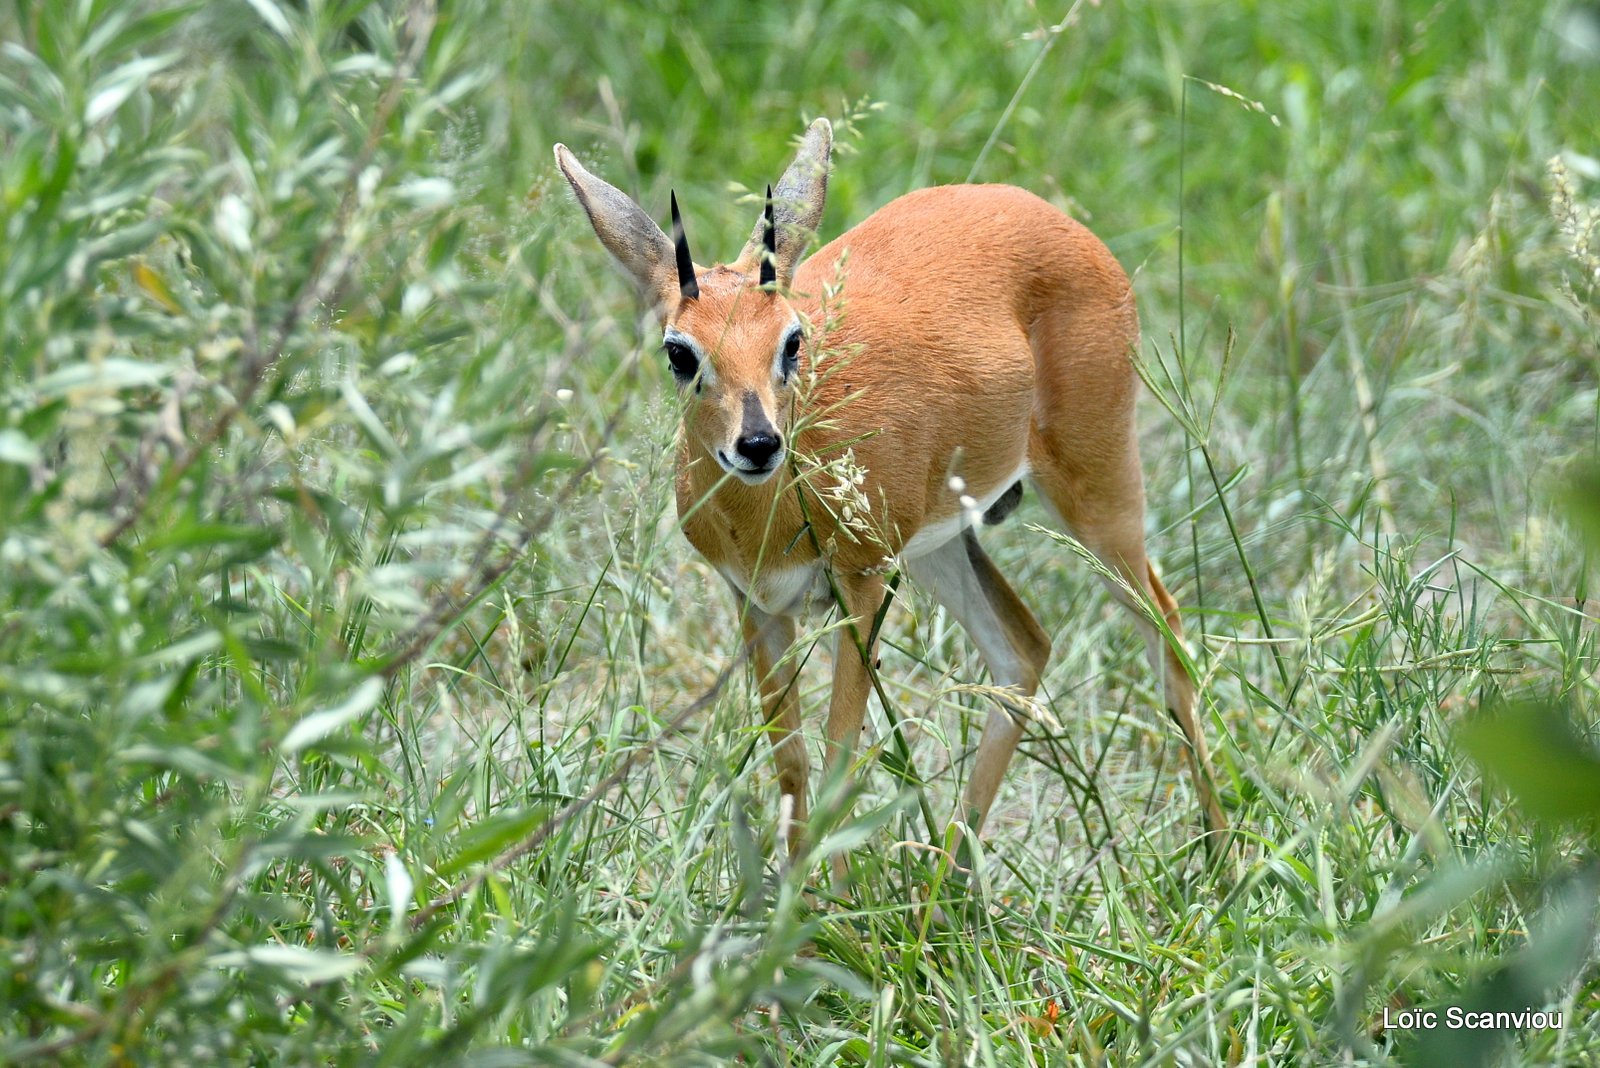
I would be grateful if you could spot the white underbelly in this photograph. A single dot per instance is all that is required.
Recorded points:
(934, 534)
(780, 591)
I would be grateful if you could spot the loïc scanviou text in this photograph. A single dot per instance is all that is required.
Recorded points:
(1456, 1018)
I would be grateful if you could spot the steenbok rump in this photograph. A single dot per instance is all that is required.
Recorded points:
(867, 405)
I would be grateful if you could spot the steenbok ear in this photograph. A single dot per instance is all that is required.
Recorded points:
(631, 236)
(796, 205)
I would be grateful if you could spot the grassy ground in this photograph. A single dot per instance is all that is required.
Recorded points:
(361, 702)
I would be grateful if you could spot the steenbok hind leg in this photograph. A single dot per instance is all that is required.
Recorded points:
(1013, 645)
(1180, 695)
(1107, 516)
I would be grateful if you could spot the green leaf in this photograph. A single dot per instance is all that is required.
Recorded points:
(185, 759)
(120, 243)
(15, 448)
(401, 887)
(188, 648)
(114, 373)
(124, 32)
(273, 16)
(318, 725)
(1583, 501)
(427, 193)
(492, 836)
(855, 833)
(234, 222)
(112, 91)
(194, 535)
(1532, 750)
(308, 966)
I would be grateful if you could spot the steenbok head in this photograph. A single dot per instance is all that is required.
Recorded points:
(731, 337)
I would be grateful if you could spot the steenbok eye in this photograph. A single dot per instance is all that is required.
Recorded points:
(684, 365)
(791, 354)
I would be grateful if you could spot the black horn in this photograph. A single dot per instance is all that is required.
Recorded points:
(769, 243)
(687, 286)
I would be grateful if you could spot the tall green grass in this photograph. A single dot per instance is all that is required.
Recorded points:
(359, 701)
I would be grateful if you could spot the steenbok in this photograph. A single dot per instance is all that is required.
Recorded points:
(866, 406)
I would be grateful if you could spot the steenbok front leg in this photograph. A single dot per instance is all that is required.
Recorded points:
(1013, 646)
(853, 657)
(769, 638)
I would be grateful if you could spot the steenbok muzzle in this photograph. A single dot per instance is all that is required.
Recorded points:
(866, 406)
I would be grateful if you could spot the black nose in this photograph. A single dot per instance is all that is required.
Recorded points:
(758, 448)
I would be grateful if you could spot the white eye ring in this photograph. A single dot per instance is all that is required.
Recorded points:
(788, 356)
(676, 343)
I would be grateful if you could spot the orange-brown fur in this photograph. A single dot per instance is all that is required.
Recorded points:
(978, 329)
(1023, 282)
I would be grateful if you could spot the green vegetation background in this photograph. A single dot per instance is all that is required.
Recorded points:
(359, 702)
